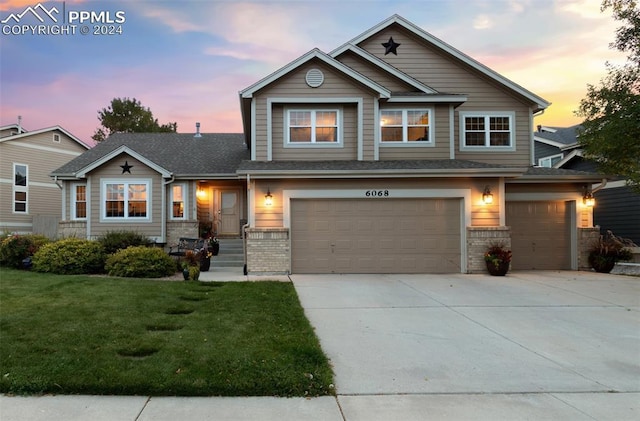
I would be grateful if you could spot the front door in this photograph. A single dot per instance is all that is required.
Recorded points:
(229, 213)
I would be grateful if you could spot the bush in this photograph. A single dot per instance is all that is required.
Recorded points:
(140, 262)
(15, 248)
(113, 241)
(70, 256)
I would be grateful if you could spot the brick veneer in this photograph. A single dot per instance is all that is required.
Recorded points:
(479, 239)
(268, 250)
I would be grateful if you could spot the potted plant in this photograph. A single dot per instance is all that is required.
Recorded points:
(214, 245)
(497, 258)
(191, 265)
(205, 259)
(607, 250)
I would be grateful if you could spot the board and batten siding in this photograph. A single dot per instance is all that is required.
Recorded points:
(447, 75)
(293, 85)
(272, 216)
(139, 171)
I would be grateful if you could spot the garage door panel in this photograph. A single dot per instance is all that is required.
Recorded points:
(376, 236)
(540, 235)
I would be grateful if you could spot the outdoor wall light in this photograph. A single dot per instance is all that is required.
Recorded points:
(268, 198)
(201, 193)
(487, 197)
(587, 198)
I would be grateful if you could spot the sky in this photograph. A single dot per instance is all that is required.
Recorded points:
(187, 60)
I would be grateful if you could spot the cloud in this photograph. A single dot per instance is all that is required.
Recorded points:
(482, 22)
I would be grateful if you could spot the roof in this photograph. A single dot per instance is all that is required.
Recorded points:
(557, 136)
(550, 175)
(25, 134)
(181, 155)
(404, 168)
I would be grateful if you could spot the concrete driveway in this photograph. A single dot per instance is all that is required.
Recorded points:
(531, 345)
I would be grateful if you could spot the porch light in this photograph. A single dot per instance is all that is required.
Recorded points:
(201, 193)
(268, 198)
(487, 197)
(587, 198)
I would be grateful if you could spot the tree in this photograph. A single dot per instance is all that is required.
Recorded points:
(126, 115)
(611, 111)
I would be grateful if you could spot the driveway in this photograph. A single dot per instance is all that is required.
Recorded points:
(531, 345)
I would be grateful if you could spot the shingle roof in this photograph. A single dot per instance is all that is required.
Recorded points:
(444, 165)
(564, 135)
(180, 154)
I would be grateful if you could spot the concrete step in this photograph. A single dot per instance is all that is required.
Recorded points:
(231, 253)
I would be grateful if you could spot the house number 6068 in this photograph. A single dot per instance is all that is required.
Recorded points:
(377, 193)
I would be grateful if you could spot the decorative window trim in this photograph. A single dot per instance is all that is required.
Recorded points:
(463, 115)
(20, 189)
(405, 128)
(184, 202)
(313, 144)
(550, 159)
(74, 201)
(126, 183)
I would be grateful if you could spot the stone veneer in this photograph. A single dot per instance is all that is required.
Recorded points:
(179, 229)
(72, 229)
(586, 237)
(268, 251)
(479, 239)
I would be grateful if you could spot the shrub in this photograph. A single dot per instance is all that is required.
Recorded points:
(113, 241)
(15, 248)
(140, 262)
(70, 256)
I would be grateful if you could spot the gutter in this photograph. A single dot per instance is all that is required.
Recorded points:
(602, 185)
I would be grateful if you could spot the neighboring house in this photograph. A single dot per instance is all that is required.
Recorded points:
(394, 153)
(617, 206)
(30, 200)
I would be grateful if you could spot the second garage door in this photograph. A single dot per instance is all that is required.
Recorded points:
(540, 235)
(375, 236)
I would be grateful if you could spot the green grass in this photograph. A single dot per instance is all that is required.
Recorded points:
(93, 335)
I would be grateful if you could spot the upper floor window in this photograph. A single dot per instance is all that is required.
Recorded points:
(125, 200)
(56, 138)
(177, 201)
(20, 188)
(549, 161)
(487, 130)
(79, 201)
(318, 126)
(403, 126)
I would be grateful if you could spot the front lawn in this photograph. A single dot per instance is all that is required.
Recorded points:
(95, 335)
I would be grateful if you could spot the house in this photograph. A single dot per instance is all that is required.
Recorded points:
(393, 153)
(29, 199)
(616, 205)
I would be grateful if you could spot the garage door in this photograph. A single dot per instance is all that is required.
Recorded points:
(375, 236)
(540, 235)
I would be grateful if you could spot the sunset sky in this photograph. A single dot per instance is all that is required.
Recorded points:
(187, 60)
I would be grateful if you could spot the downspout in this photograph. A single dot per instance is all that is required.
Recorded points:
(163, 229)
(600, 187)
(245, 270)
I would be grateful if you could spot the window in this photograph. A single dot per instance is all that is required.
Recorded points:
(312, 127)
(56, 138)
(493, 130)
(79, 201)
(177, 201)
(20, 188)
(126, 200)
(549, 161)
(405, 125)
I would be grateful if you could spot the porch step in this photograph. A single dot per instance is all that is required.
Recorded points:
(231, 253)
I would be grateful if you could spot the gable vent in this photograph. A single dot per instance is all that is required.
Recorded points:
(314, 78)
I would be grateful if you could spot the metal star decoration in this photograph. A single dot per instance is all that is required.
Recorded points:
(126, 167)
(390, 46)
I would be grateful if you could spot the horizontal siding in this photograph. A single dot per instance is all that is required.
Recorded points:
(112, 170)
(272, 217)
(374, 73)
(42, 155)
(349, 150)
(617, 210)
(441, 72)
(441, 150)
